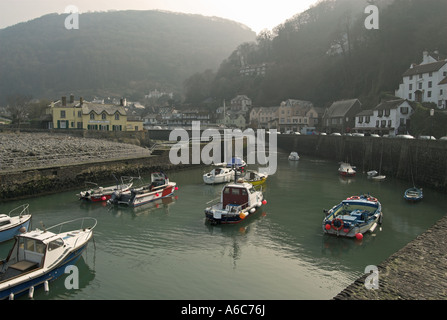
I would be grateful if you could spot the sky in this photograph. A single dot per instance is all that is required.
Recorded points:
(256, 14)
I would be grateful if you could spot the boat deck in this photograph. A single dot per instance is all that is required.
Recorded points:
(17, 269)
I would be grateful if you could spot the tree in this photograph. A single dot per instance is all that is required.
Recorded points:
(18, 106)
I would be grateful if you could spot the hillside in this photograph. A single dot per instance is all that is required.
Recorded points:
(122, 53)
(326, 53)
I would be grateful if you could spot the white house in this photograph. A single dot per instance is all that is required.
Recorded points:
(388, 117)
(426, 82)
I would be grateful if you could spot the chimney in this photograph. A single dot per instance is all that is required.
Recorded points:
(72, 98)
(81, 101)
(64, 101)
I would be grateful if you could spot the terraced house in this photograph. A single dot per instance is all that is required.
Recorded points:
(84, 115)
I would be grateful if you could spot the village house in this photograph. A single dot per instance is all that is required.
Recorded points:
(426, 82)
(388, 117)
(340, 116)
(84, 115)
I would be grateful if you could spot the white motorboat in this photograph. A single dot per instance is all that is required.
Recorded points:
(40, 256)
(293, 156)
(346, 170)
(219, 175)
(237, 201)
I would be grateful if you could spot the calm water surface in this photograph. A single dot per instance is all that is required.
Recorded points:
(167, 251)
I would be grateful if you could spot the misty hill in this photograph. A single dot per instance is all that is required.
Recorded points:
(325, 54)
(123, 53)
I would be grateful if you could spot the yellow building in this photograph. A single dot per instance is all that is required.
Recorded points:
(91, 116)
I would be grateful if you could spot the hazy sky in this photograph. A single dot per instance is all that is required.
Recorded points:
(256, 14)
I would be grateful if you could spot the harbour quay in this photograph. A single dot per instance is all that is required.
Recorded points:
(418, 271)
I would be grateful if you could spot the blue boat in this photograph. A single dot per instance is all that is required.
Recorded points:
(413, 194)
(353, 217)
(15, 222)
(40, 256)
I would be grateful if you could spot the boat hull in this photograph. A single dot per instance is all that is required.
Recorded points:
(12, 231)
(36, 279)
(413, 195)
(224, 217)
(210, 179)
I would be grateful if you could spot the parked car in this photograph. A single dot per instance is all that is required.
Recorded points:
(427, 138)
(375, 135)
(335, 134)
(405, 136)
(357, 134)
(443, 138)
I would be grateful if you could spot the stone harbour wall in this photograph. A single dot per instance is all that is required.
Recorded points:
(421, 161)
(416, 272)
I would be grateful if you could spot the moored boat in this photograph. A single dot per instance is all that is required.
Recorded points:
(346, 170)
(219, 175)
(254, 177)
(40, 256)
(97, 193)
(413, 194)
(15, 222)
(293, 156)
(236, 163)
(160, 187)
(237, 202)
(353, 217)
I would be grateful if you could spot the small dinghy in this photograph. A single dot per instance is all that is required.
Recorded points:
(346, 170)
(353, 217)
(413, 194)
(293, 156)
(15, 222)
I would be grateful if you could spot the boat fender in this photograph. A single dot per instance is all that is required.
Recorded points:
(264, 202)
(337, 224)
(31, 292)
(22, 230)
(252, 210)
(11, 296)
(258, 204)
(46, 286)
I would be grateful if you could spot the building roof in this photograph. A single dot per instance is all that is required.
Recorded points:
(110, 109)
(390, 104)
(425, 68)
(340, 108)
(368, 112)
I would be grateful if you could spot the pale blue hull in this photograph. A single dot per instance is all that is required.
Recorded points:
(8, 234)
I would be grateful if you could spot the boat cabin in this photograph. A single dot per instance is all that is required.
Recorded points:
(4, 220)
(237, 195)
(158, 179)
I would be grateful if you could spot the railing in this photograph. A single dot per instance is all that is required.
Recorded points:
(23, 210)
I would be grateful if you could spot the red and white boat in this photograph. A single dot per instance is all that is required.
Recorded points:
(346, 170)
(160, 187)
(98, 194)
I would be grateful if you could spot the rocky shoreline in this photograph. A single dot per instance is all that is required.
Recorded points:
(19, 151)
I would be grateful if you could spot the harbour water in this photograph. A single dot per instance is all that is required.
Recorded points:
(166, 250)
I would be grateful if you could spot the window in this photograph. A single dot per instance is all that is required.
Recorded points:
(377, 123)
(92, 116)
(389, 123)
(55, 244)
(441, 92)
(360, 119)
(428, 94)
(235, 191)
(103, 116)
(383, 123)
(79, 114)
(410, 87)
(429, 84)
(404, 110)
(420, 85)
(117, 116)
(380, 113)
(430, 74)
(62, 114)
(420, 76)
(387, 112)
(402, 121)
(367, 119)
(410, 96)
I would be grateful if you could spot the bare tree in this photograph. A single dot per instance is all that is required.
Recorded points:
(18, 106)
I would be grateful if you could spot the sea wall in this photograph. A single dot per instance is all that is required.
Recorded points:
(421, 161)
(33, 182)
